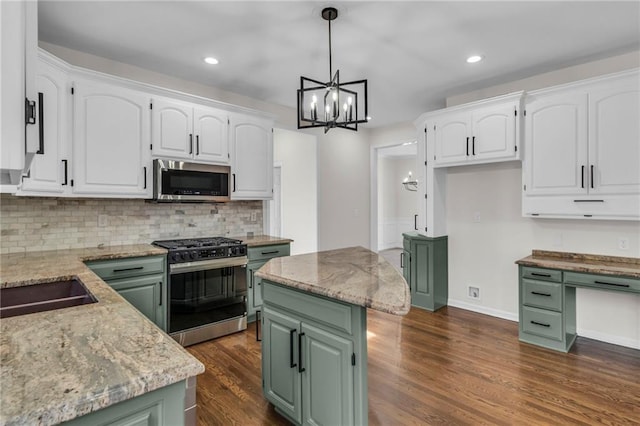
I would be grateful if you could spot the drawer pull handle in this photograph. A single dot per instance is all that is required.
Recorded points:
(537, 274)
(537, 293)
(540, 323)
(301, 369)
(137, 268)
(292, 363)
(588, 201)
(613, 284)
(270, 252)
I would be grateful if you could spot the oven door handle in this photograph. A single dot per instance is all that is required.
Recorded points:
(203, 265)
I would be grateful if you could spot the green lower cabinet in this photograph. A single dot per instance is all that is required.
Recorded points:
(425, 264)
(257, 257)
(146, 294)
(314, 357)
(547, 309)
(161, 407)
(142, 281)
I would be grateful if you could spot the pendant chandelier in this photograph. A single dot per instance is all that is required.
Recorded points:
(332, 104)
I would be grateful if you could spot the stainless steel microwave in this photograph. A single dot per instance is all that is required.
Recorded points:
(179, 181)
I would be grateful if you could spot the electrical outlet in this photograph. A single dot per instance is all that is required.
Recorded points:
(254, 216)
(102, 220)
(476, 217)
(623, 243)
(474, 293)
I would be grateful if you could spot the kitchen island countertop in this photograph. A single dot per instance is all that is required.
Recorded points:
(62, 364)
(353, 275)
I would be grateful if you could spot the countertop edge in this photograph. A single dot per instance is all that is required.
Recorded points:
(578, 262)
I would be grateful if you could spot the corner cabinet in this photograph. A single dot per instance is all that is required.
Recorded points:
(582, 144)
(111, 140)
(258, 256)
(251, 158)
(141, 281)
(424, 264)
(181, 130)
(314, 357)
(480, 132)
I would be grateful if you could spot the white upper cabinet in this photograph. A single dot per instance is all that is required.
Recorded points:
(49, 172)
(614, 127)
(480, 132)
(182, 130)
(452, 139)
(211, 127)
(556, 152)
(582, 149)
(252, 158)
(110, 141)
(19, 96)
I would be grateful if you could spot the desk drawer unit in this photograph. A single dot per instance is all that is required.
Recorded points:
(542, 294)
(604, 282)
(542, 322)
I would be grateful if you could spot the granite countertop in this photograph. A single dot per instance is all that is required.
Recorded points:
(353, 275)
(62, 364)
(262, 240)
(580, 262)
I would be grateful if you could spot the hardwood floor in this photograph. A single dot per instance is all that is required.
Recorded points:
(449, 367)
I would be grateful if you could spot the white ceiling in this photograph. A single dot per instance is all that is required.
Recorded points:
(412, 53)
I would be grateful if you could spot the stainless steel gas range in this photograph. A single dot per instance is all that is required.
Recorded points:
(207, 288)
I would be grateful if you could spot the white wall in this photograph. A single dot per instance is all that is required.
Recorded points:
(483, 254)
(296, 153)
(343, 189)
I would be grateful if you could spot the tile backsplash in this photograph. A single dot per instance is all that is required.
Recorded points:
(40, 223)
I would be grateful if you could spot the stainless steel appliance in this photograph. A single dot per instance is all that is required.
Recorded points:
(207, 288)
(181, 181)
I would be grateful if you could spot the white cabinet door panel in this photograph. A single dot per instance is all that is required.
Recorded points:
(614, 149)
(111, 133)
(556, 153)
(252, 159)
(172, 129)
(452, 140)
(47, 169)
(494, 132)
(212, 139)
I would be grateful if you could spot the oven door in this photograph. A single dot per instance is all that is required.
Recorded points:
(206, 292)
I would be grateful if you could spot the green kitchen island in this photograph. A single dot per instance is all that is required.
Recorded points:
(314, 338)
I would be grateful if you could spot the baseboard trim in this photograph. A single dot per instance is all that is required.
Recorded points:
(608, 338)
(483, 310)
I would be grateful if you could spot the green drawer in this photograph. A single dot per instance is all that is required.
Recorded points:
(129, 267)
(268, 252)
(332, 313)
(542, 323)
(541, 274)
(606, 282)
(542, 294)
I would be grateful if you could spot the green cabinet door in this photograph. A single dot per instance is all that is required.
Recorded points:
(146, 294)
(327, 377)
(280, 364)
(254, 291)
(421, 289)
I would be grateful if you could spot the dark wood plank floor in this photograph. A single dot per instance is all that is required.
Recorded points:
(449, 367)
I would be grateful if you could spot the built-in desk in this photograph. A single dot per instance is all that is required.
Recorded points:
(547, 291)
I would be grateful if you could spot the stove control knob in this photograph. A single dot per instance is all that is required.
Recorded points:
(175, 257)
(193, 255)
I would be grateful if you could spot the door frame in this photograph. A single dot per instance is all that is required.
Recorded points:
(373, 206)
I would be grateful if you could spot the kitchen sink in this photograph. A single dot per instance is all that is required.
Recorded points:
(43, 297)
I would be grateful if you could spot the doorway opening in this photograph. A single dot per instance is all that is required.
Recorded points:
(394, 206)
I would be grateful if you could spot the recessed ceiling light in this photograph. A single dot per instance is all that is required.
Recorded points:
(211, 60)
(473, 59)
